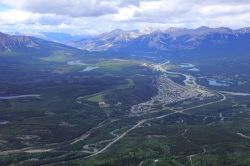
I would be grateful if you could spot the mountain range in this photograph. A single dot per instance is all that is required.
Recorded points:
(173, 41)
(32, 46)
(170, 40)
(58, 37)
(8, 42)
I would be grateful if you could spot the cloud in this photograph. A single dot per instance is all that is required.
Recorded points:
(15, 17)
(183, 13)
(224, 9)
(97, 16)
(72, 8)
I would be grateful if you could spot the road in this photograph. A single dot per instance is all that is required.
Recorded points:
(138, 124)
(118, 138)
(194, 84)
(235, 93)
(150, 119)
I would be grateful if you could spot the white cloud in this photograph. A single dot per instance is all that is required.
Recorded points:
(224, 9)
(96, 16)
(72, 8)
(15, 17)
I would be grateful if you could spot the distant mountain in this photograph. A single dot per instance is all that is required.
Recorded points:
(10, 43)
(58, 37)
(13, 45)
(110, 40)
(63, 37)
(170, 40)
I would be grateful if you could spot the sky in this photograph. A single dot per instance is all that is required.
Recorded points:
(98, 16)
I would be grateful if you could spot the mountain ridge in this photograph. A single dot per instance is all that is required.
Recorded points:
(10, 42)
(26, 48)
(14, 42)
(161, 40)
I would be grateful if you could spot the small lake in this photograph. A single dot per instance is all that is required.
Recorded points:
(18, 96)
(78, 62)
(89, 69)
(213, 82)
(194, 69)
(4, 122)
(187, 65)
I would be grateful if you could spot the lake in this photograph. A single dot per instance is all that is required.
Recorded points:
(77, 62)
(18, 96)
(219, 83)
(89, 69)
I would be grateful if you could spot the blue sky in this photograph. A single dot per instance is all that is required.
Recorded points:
(97, 16)
(3, 7)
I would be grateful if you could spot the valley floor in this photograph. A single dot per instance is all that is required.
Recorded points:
(181, 124)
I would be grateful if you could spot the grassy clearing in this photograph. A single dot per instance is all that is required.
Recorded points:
(100, 97)
(96, 98)
(117, 64)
